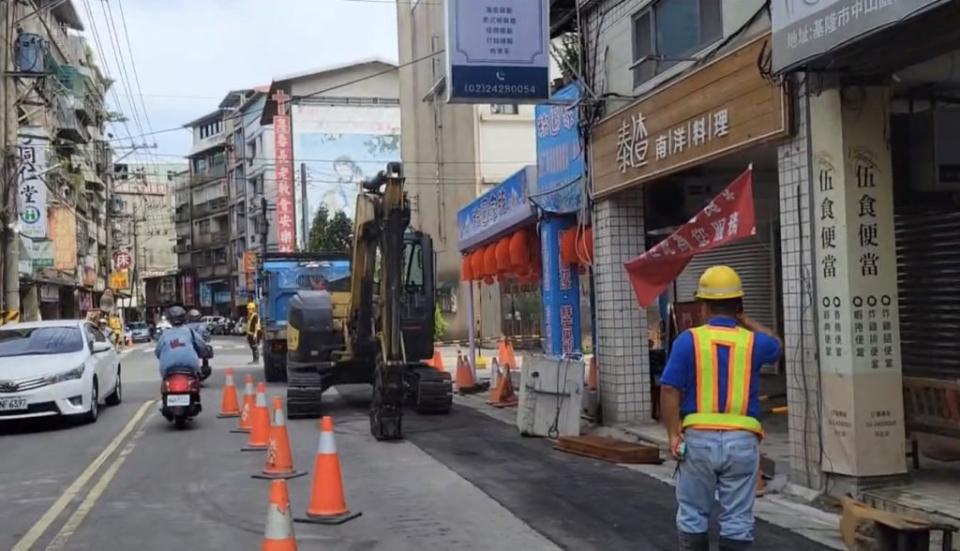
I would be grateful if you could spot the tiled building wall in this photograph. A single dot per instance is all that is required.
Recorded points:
(623, 354)
(799, 310)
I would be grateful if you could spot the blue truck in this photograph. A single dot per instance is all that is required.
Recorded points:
(279, 277)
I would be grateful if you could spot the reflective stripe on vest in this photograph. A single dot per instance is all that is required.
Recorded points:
(706, 341)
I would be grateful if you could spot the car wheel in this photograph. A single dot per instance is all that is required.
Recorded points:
(117, 396)
(91, 416)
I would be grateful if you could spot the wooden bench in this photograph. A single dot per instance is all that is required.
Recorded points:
(931, 406)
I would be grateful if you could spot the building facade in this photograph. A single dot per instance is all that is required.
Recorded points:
(64, 163)
(453, 154)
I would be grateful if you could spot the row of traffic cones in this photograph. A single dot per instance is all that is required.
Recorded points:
(327, 501)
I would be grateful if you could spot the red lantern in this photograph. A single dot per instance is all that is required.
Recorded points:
(568, 246)
(489, 261)
(503, 256)
(519, 251)
(476, 264)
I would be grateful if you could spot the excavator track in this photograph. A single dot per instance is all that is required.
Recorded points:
(428, 390)
(304, 393)
(386, 406)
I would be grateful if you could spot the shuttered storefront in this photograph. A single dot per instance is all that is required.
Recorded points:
(928, 282)
(754, 260)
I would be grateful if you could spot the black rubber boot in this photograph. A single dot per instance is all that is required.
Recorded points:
(693, 542)
(727, 544)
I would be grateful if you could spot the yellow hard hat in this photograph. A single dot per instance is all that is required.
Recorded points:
(719, 283)
(251, 306)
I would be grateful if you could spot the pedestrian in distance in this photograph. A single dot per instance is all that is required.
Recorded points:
(709, 403)
(253, 331)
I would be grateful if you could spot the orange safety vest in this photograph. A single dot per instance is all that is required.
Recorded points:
(706, 339)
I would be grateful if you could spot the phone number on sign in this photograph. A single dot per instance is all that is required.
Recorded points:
(513, 89)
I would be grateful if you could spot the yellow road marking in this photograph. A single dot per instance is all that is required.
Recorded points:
(41, 526)
(60, 540)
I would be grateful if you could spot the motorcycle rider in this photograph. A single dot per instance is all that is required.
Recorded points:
(179, 346)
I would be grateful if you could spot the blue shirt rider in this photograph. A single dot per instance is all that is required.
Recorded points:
(180, 347)
(193, 322)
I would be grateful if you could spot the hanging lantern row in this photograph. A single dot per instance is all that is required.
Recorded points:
(576, 247)
(516, 256)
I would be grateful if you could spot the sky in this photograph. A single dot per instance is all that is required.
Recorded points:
(186, 54)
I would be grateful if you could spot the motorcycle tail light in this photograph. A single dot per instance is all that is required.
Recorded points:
(181, 383)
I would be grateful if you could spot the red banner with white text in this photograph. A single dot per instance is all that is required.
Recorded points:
(725, 219)
(286, 218)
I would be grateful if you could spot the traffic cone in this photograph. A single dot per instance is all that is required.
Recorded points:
(278, 533)
(279, 462)
(505, 354)
(229, 406)
(436, 362)
(327, 502)
(260, 419)
(464, 380)
(246, 412)
(503, 394)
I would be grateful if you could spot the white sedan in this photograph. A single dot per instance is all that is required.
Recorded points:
(61, 367)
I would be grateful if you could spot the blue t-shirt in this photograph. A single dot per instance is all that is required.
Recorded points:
(680, 372)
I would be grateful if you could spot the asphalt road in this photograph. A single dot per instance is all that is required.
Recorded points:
(459, 482)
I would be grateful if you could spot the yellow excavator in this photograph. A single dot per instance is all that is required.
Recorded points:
(379, 330)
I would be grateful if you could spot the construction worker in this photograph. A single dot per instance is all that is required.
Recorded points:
(253, 330)
(710, 406)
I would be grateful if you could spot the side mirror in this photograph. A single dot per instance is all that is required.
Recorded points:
(99, 347)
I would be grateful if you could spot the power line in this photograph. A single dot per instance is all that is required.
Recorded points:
(373, 75)
(133, 63)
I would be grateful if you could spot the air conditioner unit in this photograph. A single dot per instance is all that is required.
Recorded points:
(934, 150)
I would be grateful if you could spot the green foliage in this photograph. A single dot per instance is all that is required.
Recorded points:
(439, 324)
(330, 234)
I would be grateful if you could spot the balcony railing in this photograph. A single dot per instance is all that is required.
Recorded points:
(211, 207)
(183, 247)
(203, 240)
(212, 173)
(204, 272)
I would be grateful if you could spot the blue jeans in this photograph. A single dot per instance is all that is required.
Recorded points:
(718, 465)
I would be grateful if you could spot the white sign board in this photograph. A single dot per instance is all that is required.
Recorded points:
(498, 51)
(32, 190)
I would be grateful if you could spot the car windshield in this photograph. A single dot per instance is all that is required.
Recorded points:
(137, 325)
(40, 340)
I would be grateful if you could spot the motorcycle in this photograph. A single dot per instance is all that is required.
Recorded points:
(180, 397)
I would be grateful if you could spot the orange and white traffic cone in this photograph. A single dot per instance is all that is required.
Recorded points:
(278, 533)
(503, 395)
(437, 361)
(260, 419)
(327, 502)
(506, 355)
(246, 412)
(229, 405)
(279, 462)
(464, 381)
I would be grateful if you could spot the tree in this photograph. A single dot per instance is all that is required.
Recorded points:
(330, 235)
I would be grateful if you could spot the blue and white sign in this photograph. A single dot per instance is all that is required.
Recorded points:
(498, 51)
(206, 295)
(498, 211)
(560, 293)
(560, 159)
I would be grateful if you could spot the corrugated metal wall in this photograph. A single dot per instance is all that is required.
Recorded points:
(928, 280)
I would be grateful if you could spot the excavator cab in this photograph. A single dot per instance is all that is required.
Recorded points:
(417, 298)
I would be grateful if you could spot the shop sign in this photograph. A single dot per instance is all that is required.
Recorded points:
(727, 217)
(803, 29)
(723, 107)
(187, 290)
(206, 295)
(222, 297)
(856, 274)
(86, 301)
(497, 51)
(49, 293)
(119, 280)
(63, 234)
(32, 189)
(283, 155)
(249, 262)
(122, 260)
(560, 158)
(497, 211)
(39, 253)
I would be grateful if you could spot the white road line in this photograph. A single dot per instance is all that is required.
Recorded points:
(37, 530)
(60, 540)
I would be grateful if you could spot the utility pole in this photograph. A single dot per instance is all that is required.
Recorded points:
(8, 174)
(304, 220)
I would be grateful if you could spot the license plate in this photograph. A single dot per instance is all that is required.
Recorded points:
(178, 400)
(13, 404)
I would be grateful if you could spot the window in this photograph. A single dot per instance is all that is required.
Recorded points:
(217, 160)
(504, 108)
(199, 165)
(671, 30)
(39, 340)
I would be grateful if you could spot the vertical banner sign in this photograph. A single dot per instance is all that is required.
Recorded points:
(856, 264)
(726, 218)
(32, 190)
(497, 51)
(560, 159)
(283, 156)
(561, 293)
